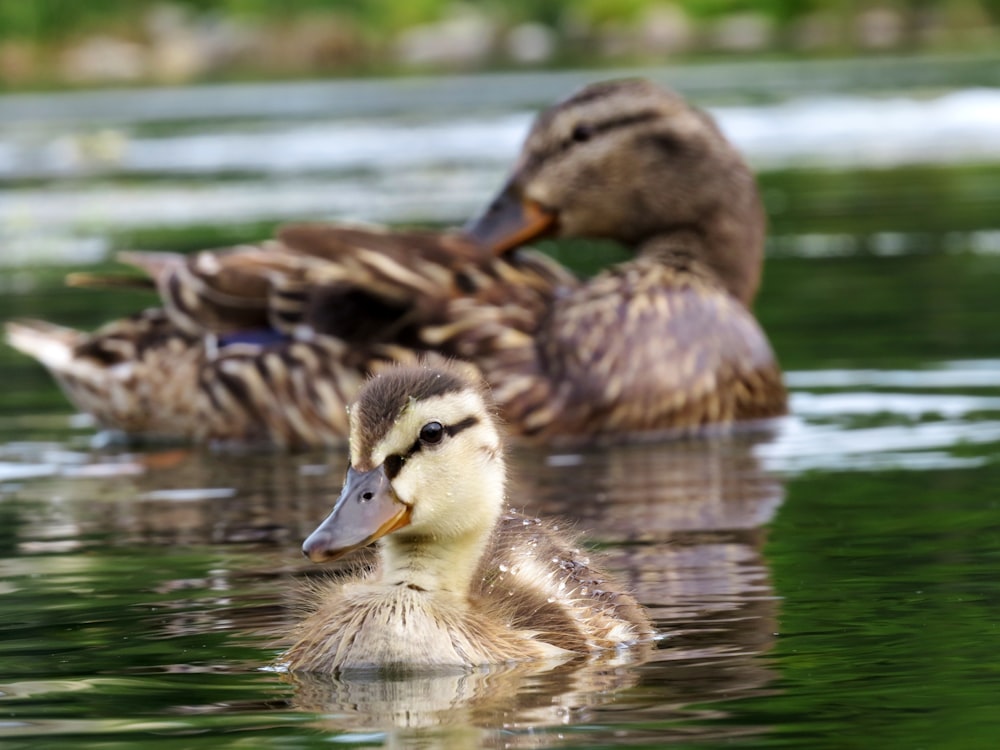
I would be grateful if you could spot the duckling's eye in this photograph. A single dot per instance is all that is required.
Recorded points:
(431, 433)
(582, 132)
(393, 464)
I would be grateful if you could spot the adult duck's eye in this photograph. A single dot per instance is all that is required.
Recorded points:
(392, 465)
(582, 133)
(431, 433)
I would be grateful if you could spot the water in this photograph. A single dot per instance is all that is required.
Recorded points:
(93, 171)
(832, 583)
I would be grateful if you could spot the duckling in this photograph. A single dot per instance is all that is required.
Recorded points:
(277, 338)
(461, 581)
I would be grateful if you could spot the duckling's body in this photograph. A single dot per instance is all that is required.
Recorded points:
(664, 342)
(460, 582)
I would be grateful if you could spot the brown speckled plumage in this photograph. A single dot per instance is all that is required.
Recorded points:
(665, 342)
(462, 582)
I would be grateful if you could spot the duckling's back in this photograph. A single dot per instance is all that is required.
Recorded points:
(546, 584)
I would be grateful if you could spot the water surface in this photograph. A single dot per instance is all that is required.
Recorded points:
(829, 583)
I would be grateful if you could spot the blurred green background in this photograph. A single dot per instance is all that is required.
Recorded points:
(47, 43)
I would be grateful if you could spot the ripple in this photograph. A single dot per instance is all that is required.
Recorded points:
(803, 446)
(958, 374)
(433, 168)
(842, 132)
(190, 495)
(909, 405)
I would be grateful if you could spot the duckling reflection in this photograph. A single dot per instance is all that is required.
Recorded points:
(469, 709)
(460, 582)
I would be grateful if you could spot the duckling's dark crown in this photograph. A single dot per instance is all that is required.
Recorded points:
(383, 398)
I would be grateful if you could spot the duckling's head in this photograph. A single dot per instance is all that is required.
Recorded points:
(630, 161)
(426, 461)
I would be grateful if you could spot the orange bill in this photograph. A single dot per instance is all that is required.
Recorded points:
(510, 221)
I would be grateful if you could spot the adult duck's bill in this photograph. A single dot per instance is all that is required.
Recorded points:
(366, 510)
(510, 221)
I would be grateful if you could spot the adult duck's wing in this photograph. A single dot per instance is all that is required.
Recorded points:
(220, 291)
(353, 283)
(641, 347)
(270, 342)
(366, 285)
(638, 348)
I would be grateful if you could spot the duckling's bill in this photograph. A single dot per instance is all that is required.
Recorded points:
(366, 510)
(510, 221)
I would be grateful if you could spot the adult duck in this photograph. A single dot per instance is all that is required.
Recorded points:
(271, 342)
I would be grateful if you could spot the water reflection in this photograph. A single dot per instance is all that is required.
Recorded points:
(131, 580)
(680, 522)
(510, 709)
(504, 706)
(83, 171)
(684, 518)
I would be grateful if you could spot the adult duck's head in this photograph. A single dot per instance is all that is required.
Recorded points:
(426, 464)
(630, 161)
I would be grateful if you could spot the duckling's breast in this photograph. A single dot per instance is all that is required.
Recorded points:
(377, 627)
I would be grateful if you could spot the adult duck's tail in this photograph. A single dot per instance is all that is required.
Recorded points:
(50, 344)
(138, 374)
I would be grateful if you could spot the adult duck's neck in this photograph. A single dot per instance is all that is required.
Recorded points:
(434, 564)
(728, 247)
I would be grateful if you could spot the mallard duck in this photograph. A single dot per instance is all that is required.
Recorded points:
(270, 342)
(460, 580)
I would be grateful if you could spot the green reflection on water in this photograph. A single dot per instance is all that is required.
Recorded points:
(891, 612)
(929, 200)
(109, 646)
(890, 599)
(869, 311)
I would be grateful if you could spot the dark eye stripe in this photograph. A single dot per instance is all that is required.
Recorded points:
(637, 118)
(454, 429)
(393, 464)
(593, 130)
(598, 128)
(450, 430)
